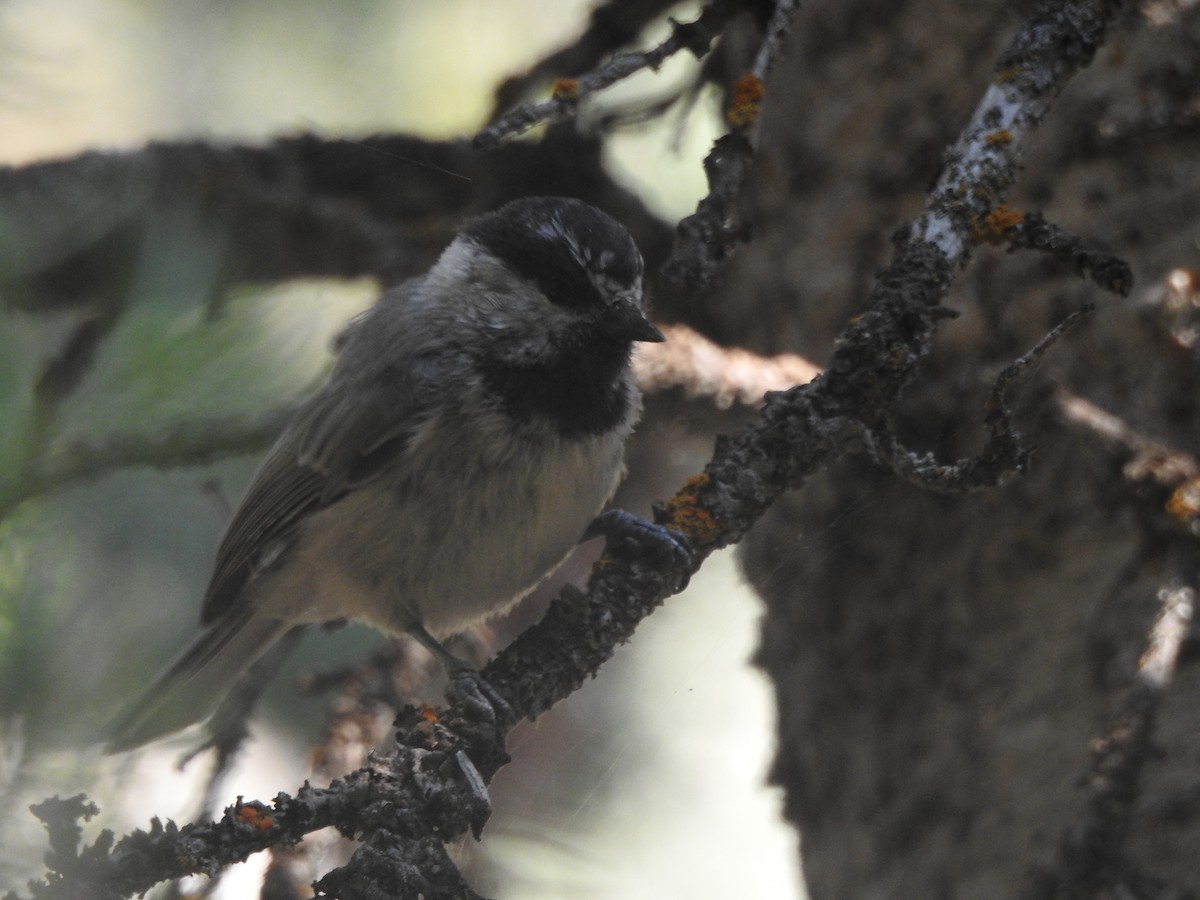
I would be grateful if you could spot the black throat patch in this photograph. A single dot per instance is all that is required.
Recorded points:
(581, 394)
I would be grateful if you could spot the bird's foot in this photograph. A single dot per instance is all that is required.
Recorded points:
(479, 700)
(617, 524)
(468, 688)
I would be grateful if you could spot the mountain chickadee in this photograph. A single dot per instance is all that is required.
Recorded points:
(471, 431)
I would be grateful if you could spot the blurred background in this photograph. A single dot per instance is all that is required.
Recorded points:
(650, 782)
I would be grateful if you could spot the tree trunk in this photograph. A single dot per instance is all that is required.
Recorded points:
(943, 664)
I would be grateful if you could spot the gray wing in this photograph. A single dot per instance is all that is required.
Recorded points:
(341, 438)
(282, 493)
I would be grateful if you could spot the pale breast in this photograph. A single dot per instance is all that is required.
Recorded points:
(469, 528)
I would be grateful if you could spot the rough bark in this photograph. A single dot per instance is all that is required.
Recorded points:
(942, 663)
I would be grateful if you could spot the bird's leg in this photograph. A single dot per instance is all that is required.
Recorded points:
(466, 684)
(616, 523)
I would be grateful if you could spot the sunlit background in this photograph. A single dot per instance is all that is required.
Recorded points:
(659, 790)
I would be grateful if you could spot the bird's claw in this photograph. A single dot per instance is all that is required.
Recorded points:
(478, 699)
(616, 523)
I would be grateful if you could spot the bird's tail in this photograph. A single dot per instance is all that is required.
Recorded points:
(192, 685)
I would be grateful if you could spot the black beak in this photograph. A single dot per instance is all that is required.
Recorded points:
(629, 323)
(642, 329)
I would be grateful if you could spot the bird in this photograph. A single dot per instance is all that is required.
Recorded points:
(471, 431)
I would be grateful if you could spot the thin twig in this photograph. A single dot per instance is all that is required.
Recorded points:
(1091, 855)
(695, 36)
(706, 238)
(612, 24)
(1174, 473)
(1033, 232)
(723, 375)
(777, 31)
(1003, 456)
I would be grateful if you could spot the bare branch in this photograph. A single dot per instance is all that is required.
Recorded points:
(702, 369)
(1148, 458)
(1156, 668)
(1091, 854)
(1175, 473)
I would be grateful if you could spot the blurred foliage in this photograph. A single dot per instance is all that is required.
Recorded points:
(163, 363)
(166, 360)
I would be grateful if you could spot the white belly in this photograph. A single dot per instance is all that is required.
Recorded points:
(464, 536)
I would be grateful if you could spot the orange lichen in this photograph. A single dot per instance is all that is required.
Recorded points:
(1007, 75)
(686, 514)
(255, 816)
(1003, 136)
(991, 228)
(1184, 504)
(601, 564)
(747, 100)
(566, 89)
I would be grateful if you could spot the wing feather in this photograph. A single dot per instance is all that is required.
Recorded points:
(282, 493)
(342, 438)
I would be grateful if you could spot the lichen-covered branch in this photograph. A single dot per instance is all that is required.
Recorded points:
(1060, 38)
(706, 238)
(1003, 457)
(612, 25)
(423, 797)
(877, 354)
(695, 36)
(1031, 231)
